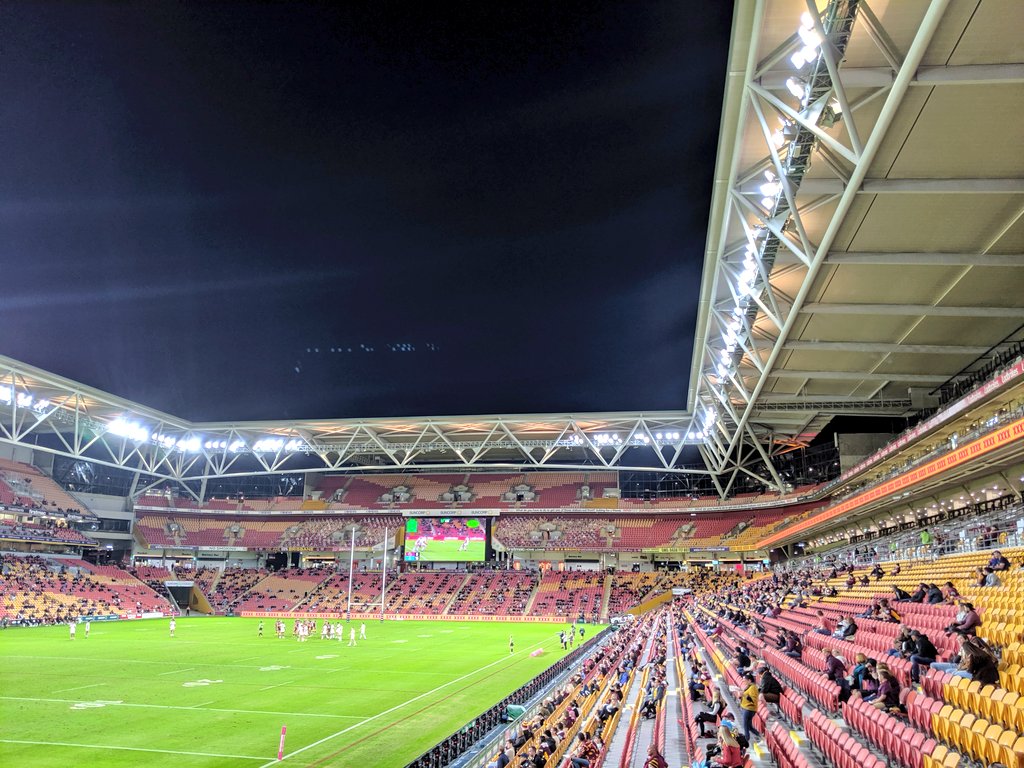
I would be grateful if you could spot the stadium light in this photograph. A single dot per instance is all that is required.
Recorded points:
(128, 429)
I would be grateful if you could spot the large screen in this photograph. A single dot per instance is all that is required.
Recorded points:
(435, 539)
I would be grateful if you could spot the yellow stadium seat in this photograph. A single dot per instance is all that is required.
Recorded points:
(962, 732)
(990, 743)
(934, 760)
(952, 760)
(976, 738)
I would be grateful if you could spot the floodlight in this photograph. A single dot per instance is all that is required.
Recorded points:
(797, 87)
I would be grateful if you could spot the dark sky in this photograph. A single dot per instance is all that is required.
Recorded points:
(197, 197)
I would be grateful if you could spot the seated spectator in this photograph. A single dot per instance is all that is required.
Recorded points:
(655, 758)
(949, 593)
(934, 595)
(834, 666)
(966, 622)
(886, 612)
(794, 648)
(715, 710)
(924, 655)
(769, 688)
(901, 595)
(888, 697)
(730, 755)
(998, 562)
(976, 661)
(585, 753)
(991, 579)
(846, 628)
(742, 659)
(869, 681)
(822, 626)
(902, 644)
(877, 572)
(859, 664)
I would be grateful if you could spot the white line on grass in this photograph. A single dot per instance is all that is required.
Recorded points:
(79, 688)
(175, 671)
(127, 749)
(191, 708)
(370, 719)
(277, 686)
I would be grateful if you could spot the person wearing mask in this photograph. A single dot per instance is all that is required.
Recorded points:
(924, 655)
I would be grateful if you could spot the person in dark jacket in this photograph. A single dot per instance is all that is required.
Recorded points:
(924, 655)
(771, 689)
(934, 595)
(900, 595)
(834, 667)
(919, 594)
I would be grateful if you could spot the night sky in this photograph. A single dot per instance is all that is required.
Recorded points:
(250, 211)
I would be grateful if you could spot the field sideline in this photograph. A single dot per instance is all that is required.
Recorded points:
(217, 695)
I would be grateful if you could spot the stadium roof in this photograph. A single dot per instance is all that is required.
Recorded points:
(871, 259)
(865, 245)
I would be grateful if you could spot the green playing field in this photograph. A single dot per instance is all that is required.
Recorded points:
(217, 695)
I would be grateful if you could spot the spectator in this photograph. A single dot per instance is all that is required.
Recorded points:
(975, 662)
(794, 648)
(769, 687)
(934, 595)
(924, 655)
(888, 692)
(823, 626)
(715, 710)
(877, 572)
(857, 673)
(919, 594)
(730, 755)
(991, 579)
(585, 752)
(846, 628)
(834, 666)
(949, 593)
(998, 562)
(654, 758)
(748, 705)
(902, 644)
(966, 622)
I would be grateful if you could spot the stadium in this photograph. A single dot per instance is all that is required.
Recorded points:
(819, 561)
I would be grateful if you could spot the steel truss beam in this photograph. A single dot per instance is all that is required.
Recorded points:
(881, 77)
(770, 199)
(915, 310)
(920, 259)
(44, 412)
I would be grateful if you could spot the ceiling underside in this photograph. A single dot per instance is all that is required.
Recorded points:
(903, 265)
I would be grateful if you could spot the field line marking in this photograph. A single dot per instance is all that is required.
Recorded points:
(79, 688)
(127, 749)
(370, 719)
(196, 706)
(175, 671)
(277, 686)
(191, 708)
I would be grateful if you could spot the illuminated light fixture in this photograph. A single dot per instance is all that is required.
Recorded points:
(128, 429)
(797, 87)
(811, 42)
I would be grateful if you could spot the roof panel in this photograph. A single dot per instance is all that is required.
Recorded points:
(993, 34)
(886, 284)
(934, 222)
(965, 123)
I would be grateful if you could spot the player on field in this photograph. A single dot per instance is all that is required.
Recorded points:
(465, 544)
(259, 629)
(339, 631)
(511, 645)
(362, 630)
(352, 636)
(72, 628)
(88, 625)
(324, 630)
(172, 625)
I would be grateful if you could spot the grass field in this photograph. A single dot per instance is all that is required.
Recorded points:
(217, 695)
